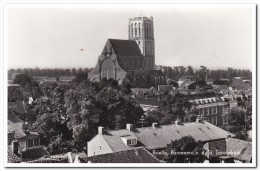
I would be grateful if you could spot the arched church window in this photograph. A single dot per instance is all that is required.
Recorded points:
(139, 29)
(132, 28)
(135, 29)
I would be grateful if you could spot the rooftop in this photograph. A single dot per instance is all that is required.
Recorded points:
(138, 155)
(159, 137)
(125, 47)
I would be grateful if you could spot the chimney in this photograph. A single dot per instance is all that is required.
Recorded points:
(70, 157)
(228, 136)
(177, 122)
(15, 147)
(100, 130)
(154, 125)
(129, 127)
(76, 160)
(198, 120)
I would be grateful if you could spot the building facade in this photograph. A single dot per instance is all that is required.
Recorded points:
(141, 30)
(122, 56)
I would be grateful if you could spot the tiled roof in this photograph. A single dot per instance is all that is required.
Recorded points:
(115, 142)
(244, 147)
(125, 47)
(13, 118)
(50, 159)
(187, 83)
(140, 90)
(13, 158)
(67, 78)
(155, 138)
(138, 155)
(34, 153)
(165, 87)
(149, 101)
(240, 85)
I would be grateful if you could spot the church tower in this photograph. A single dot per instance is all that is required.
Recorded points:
(141, 30)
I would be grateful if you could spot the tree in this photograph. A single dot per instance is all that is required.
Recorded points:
(23, 80)
(185, 150)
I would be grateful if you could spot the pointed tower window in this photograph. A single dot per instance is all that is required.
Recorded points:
(132, 28)
(135, 29)
(139, 29)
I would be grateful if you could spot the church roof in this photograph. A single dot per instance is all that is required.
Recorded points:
(125, 47)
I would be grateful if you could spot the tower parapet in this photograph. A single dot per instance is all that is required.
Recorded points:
(141, 30)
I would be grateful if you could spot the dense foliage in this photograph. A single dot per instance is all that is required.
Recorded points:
(67, 116)
(185, 150)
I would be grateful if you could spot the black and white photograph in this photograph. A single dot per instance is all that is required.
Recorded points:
(129, 85)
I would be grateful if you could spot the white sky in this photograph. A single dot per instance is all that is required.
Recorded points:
(215, 36)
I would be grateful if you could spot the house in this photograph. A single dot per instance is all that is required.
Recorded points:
(23, 143)
(12, 158)
(165, 88)
(152, 138)
(188, 84)
(211, 107)
(143, 91)
(137, 155)
(239, 84)
(231, 150)
(66, 78)
(149, 104)
(18, 107)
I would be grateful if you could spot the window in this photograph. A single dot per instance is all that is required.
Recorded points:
(216, 120)
(139, 29)
(212, 120)
(100, 148)
(216, 109)
(132, 27)
(36, 142)
(135, 30)
(29, 143)
(202, 111)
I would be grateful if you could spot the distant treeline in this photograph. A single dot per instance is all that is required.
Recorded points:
(212, 74)
(174, 73)
(56, 72)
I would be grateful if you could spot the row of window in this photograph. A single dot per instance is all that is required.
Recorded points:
(131, 141)
(136, 29)
(32, 142)
(212, 110)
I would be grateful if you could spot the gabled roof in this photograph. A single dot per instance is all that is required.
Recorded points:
(126, 48)
(50, 159)
(156, 138)
(34, 153)
(149, 101)
(240, 85)
(18, 106)
(244, 147)
(12, 158)
(13, 118)
(115, 142)
(187, 83)
(138, 155)
(165, 87)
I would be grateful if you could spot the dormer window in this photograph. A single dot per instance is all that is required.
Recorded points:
(129, 140)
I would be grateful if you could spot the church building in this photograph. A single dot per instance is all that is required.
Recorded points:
(121, 56)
